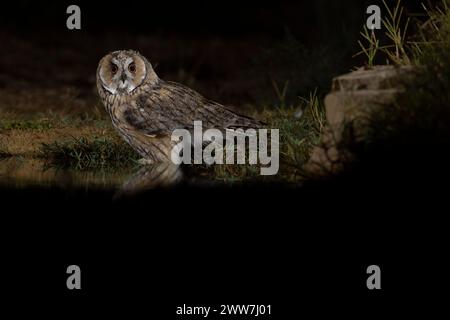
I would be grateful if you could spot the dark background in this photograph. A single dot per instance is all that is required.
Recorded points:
(302, 251)
(311, 20)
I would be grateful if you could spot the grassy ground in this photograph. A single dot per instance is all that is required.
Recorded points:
(25, 135)
(72, 140)
(300, 128)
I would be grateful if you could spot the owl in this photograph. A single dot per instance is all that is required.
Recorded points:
(145, 109)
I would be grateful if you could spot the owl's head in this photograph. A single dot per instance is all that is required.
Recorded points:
(120, 72)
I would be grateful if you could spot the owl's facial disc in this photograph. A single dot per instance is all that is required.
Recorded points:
(122, 73)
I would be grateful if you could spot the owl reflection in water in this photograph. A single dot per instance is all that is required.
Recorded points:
(145, 109)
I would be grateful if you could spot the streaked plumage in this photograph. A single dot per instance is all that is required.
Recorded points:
(145, 109)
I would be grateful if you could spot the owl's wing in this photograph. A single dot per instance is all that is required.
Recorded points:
(173, 106)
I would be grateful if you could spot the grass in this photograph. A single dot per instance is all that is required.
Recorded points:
(25, 124)
(374, 46)
(83, 154)
(396, 50)
(50, 120)
(426, 105)
(298, 136)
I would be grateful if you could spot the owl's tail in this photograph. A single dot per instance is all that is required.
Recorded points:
(237, 121)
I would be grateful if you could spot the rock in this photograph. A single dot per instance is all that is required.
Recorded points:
(376, 78)
(298, 113)
(352, 97)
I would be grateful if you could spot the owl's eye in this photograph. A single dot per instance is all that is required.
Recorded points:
(113, 68)
(132, 67)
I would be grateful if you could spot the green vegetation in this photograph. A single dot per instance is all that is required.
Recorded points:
(400, 44)
(50, 120)
(396, 48)
(397, 51)
(300, 128)
(297, 135)
(374, 45)
(25, 124)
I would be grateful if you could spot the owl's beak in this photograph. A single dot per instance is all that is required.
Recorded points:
(123, 80)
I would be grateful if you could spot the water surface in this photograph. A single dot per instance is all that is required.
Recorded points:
(17, 172)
